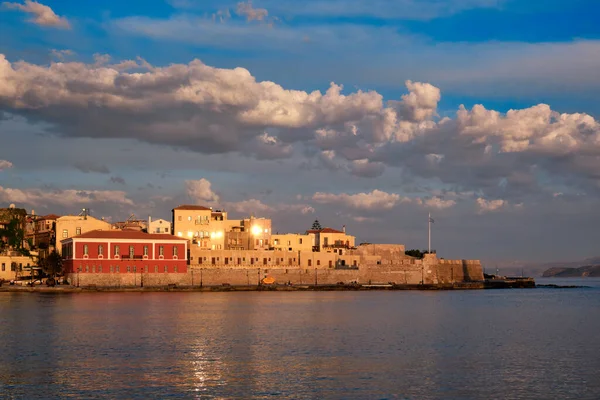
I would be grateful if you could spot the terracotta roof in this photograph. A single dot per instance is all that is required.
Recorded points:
(330, 230)
(192, 208)
(50, 216)
(324, 230)
(116, 234)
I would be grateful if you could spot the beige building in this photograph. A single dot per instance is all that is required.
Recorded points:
(293, 241)
(13, 267)
(156, 226)
(71, 225)
(213, 230)
(332, 240)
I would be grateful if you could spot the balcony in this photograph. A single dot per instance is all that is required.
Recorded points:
(129, 257)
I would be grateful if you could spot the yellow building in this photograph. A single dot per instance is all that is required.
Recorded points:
(71, 225)
(332, 240)
(14, 267)
(293, 242)
(213, 230)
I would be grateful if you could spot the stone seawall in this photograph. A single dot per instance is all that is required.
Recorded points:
(407, 271)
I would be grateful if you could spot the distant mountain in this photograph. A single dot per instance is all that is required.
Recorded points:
(562, 272)
(515, 268)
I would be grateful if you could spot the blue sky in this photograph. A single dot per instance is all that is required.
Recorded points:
(534, 166)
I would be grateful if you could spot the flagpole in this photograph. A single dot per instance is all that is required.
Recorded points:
(429, 226)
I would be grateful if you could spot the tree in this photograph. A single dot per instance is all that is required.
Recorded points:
(316, 226)
(53, 264)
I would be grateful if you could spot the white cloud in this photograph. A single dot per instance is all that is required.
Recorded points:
(436, 203)
(5, 165)
(377, 199)
(490, 205)
(247, 10)
(211, 110)
(61, 55)
(64, 198)
(42, 14)
(200, 191)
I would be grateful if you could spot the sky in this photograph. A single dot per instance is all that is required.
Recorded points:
(373, 115)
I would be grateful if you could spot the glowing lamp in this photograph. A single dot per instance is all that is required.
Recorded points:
(256, 230)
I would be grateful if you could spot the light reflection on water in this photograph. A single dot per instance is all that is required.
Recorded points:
(516, 344)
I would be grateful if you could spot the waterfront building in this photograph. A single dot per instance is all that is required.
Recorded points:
(294, 241)
(210, 229)
(124, 252)
(74, 225)
(40, 231)
(332, 240)
(14, 266)
(159, 226)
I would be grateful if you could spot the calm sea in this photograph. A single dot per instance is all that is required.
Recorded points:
(502, 344)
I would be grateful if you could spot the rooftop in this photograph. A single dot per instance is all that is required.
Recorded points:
(50, 217)
(192, 208)
(324, 230)
(134, 235)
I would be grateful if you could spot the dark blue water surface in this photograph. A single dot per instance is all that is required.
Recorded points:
(493, 344)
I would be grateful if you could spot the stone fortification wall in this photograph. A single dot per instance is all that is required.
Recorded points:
(367, 264)
(415, 272)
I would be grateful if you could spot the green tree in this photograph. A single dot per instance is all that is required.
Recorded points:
(52, 265)
(316, 226)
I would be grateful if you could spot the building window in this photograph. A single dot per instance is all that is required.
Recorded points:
(174, 251)
(65, 234)
(85, 250)
(117, 250)
(161, 251)
(3, 266)
(145, 250)
(156, 268)
(100, 250)
(166, 269)
(87, 268)
(175, 269)
(131, 251)
(118, 269)
(190, 218)
(93, 268)
(310, 263)
(128, 268)
(112, 269)
(299, 241)
(318, 262)
(78, 231)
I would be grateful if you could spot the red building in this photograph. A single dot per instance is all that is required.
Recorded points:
(121, 252)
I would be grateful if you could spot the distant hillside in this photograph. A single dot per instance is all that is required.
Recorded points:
(515, 268)
(565, 272)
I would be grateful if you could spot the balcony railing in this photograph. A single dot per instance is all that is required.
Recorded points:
(129, 257)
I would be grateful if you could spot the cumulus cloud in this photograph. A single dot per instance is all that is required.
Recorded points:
(200, 191)
(5, 165)
(485, 206)
(247, 10)
(436, 202)
(210, 110)
(41, 14)
(66, 198)
(374, 200)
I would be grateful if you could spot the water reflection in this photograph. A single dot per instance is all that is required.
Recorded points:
(480, 344)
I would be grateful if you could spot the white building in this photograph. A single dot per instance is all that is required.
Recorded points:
(159, 226)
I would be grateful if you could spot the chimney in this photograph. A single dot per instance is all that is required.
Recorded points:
(344, 228)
